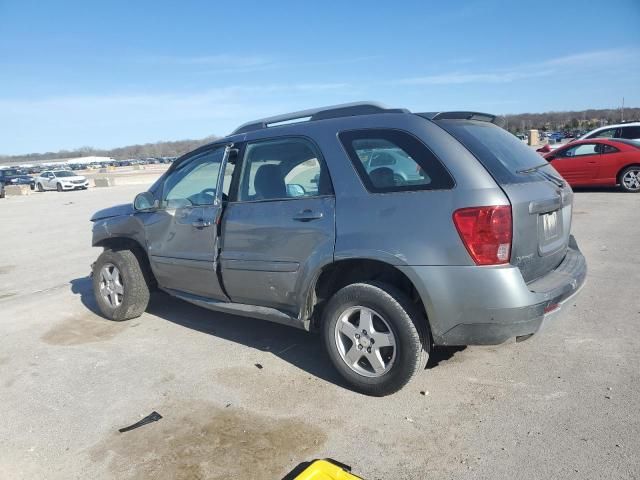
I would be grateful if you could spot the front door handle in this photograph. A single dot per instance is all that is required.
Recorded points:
(307, 215)
(201, 223)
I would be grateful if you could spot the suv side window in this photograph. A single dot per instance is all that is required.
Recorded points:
(608, 133)
(632, 133)
(394, 161)
(193, 183)
(282, 169)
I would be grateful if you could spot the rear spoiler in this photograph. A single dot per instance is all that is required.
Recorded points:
(483, 117)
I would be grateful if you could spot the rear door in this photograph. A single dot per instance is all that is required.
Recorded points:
(279, 225)
(182, 235)
(541, 202)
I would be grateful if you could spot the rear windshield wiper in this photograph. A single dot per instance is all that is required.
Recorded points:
(532, 169)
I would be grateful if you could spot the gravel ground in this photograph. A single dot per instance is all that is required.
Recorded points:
(563, 404)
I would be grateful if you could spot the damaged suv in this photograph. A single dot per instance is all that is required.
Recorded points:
(387, 231)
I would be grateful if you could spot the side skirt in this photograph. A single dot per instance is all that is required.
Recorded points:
(244, 310)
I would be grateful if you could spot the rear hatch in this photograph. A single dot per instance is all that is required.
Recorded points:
(541, 201)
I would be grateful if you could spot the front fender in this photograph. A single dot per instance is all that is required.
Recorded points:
(128, 227)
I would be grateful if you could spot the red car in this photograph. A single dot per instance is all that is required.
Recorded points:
(599, 162)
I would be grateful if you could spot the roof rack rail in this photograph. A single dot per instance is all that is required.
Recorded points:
(322, 113)
(485, 117)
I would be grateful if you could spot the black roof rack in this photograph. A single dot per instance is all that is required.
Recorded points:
(485, 117)
(322, 113)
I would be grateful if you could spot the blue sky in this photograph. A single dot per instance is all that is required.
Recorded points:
(114, 73)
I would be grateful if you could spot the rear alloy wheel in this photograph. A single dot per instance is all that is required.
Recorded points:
(120, 285)
(59, 187)
(630, 179)
(375, 337)
(40, 187)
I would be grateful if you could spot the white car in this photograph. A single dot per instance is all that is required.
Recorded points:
(630, 131)
(61, 180)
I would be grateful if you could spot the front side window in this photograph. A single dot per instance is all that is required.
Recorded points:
(194, 182)
(581, 150)
(394, 161)
(282, 169)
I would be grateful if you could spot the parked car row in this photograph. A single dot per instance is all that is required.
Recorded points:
(13, 176)
(37, 169)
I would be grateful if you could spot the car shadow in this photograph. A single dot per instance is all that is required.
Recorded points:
(297, 347)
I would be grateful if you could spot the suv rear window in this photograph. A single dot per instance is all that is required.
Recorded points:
(501, 153)
(394, 161)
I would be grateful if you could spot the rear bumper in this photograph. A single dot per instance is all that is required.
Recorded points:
(489, 305)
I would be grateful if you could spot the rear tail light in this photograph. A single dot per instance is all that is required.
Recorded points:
(486, 233)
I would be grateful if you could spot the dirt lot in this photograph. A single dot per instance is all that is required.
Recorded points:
(562, 405)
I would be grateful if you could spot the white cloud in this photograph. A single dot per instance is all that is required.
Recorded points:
(65, 122)
(596, 58)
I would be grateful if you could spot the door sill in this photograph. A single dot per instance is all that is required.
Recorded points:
(242, 309)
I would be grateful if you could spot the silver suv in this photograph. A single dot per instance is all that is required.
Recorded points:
(387, 231)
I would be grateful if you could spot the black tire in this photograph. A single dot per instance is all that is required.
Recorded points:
(40, 187)
(634, 169)
(59, 187)
(408, 325)
(135, 298)
(2, 191)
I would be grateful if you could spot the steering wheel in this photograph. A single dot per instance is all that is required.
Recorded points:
(212, 191)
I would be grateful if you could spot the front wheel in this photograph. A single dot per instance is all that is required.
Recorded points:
(40, 187)
(119, 285)
(59, 187)
(375, 337)
(630, 179)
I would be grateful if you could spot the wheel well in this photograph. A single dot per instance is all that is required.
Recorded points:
(122, 243)
(345, 272)
(618, 176)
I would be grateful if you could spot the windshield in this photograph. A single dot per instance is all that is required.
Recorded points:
(64, 173)
(501, 153)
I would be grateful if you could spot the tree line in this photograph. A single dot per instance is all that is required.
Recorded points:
(147, 150)
(571, 120)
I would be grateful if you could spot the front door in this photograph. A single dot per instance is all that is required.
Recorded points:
(279, 225)
(182, 235)
(578, 164)
(50, 182)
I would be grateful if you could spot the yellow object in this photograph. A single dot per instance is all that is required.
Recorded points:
(323, 470)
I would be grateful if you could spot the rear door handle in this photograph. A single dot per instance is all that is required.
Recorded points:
(201, 223)
(307, 215)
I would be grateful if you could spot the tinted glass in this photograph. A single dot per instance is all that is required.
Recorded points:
(631, 133)
(609, 149)
(64, 173)
(502, 154)
(394, 161)
(282, 169)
